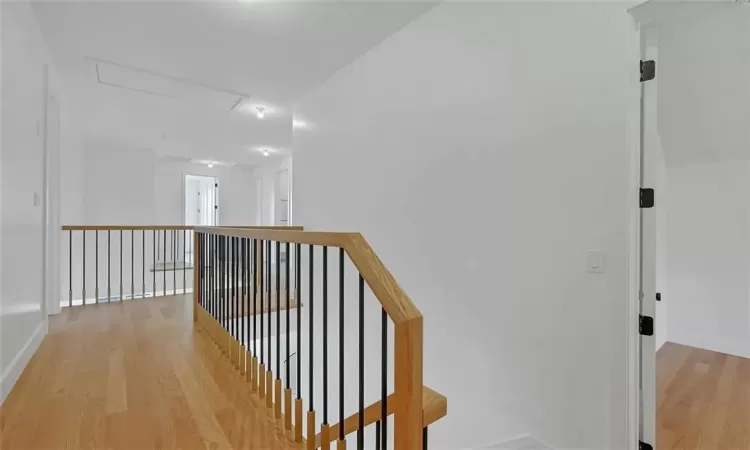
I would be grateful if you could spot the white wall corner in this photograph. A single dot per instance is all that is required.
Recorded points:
(21, 360)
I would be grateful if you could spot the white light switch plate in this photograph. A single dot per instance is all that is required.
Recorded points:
(37, 199)
(595, 261)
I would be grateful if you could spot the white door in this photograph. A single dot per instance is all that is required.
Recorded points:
(201, 201)
(647, 431)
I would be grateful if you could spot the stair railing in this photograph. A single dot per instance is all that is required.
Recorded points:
(249, 283)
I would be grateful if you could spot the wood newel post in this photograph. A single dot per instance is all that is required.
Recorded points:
(197, 274)
(408, 385)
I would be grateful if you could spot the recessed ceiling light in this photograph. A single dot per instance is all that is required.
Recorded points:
(261, 112)
(265, 152)
(210, 165)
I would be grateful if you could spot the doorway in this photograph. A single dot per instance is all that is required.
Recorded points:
(201, 204)
(201, 196)
(692, 263)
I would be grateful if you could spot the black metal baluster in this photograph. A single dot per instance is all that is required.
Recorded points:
(325, 335)
(278, 310)
(311, 330)
(164, 265)
(255, 297)
(184, 259)
(248, 278)
(204, 266)
(175, 238)
(222, 292)
(132, 264)
(70, 268)
(212, 274)
(143, 263)
(109, 263)
(341, 344)
(298, 280)
(230, 287)
(230, 266)
(377, 436)
(361, 430)
(217, 281)
(269, 282)
(96, 264)
(424, 438)
(384, 377)
(120, 265)
(243, 290)
(153, 266)
(83, 287)
(288, 307)
(224, 285)
(235, 294)
(262, 299)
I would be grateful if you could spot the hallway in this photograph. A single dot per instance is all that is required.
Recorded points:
(133, 375)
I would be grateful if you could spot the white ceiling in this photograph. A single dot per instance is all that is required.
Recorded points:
(168, 70)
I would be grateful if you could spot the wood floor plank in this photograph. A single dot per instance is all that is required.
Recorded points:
(703, 400)
(134, 375)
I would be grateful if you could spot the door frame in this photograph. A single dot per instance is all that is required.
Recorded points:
(641, 422)
(215, 212)
(649, 13)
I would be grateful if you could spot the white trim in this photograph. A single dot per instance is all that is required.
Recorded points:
(633, 215)
(127, 297)
(46, 222)
(19, 362)
(739, 348)
(523, 442)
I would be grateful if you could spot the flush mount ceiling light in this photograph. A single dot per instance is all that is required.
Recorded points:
(210, 163)
(265, 152)
(261, 112)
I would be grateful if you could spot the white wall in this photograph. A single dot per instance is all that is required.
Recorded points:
(130, 186)
(708, 256)
(22, 319)
(704, 100)
(266, 197)
(662, 308)
(698, 115)
(482, 150)
(135, 186)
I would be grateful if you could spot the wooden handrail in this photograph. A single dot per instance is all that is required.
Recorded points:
(408, 322)
(166, 227)
(434, 408)
(397, 304)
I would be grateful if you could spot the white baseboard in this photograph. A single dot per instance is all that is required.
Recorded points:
(525, 442)
(734, 348)
(19, 362)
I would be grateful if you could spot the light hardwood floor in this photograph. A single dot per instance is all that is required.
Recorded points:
(703, 400)
(133, 375)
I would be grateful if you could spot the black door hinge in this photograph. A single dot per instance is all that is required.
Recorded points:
(646, 198)
(648, 70)
(644, 446)
(646, 325)
(658, 296)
